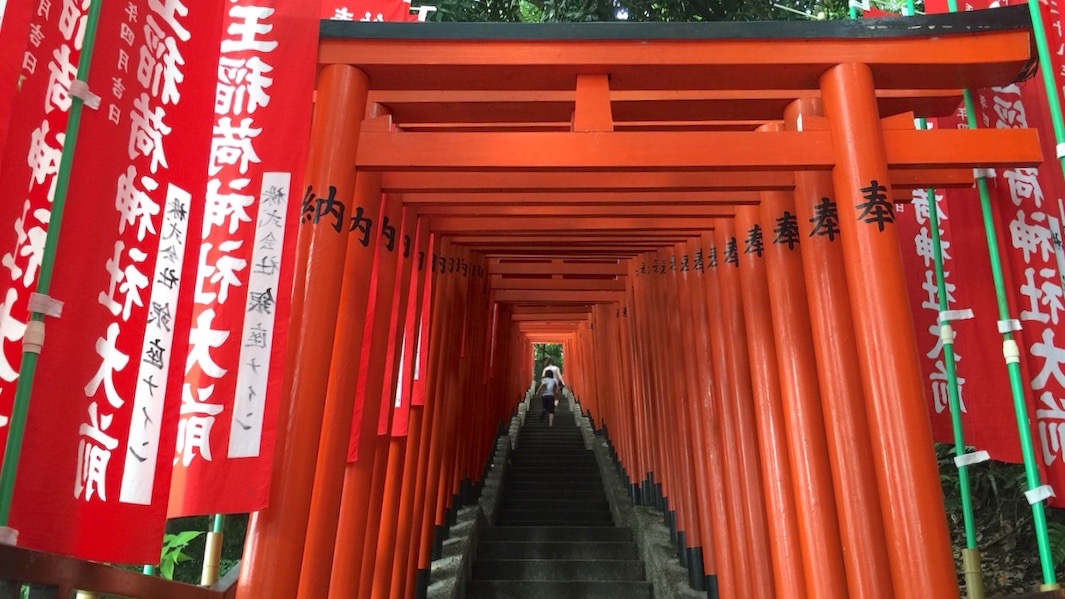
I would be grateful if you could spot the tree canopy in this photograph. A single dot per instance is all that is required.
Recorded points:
(559, 11)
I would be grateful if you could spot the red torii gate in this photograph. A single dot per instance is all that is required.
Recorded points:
(603, 150)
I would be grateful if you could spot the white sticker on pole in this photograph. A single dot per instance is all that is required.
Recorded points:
(1009, 326)
(970, 459)
(43, 304)
(79, 89)
(1061, 150)
(953, 315)
(984, 173)
(1039, 494)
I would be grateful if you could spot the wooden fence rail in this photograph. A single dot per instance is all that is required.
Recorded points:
(58, 577)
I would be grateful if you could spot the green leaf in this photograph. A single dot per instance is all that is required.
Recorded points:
(167, 569)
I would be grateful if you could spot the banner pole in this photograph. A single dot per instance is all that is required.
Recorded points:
(35, 330)
(974, 582)
(1010, 349)
(212, 552)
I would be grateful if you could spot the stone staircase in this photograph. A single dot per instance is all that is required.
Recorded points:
(555, 537)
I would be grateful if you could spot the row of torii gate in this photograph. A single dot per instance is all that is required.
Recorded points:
(604, 180)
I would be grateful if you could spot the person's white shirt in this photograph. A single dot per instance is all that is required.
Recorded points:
(554, 370)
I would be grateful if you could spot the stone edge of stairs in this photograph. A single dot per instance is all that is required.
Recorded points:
(450, 575)
(664, 572)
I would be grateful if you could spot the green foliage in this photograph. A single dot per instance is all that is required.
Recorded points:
(1056, 532)
(174, 551)
(542, 351)
(576, 11)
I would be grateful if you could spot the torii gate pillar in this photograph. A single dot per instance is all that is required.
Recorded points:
(919, 548)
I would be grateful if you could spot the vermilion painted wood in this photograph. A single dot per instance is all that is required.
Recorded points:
(679, 151)
(411, 108)
(380, 532)
(978, 60)
(359, 508)
(496, 267)
(682, 345)
(430, 187)
(857, 499)
(442, 306)
(912, 501)
(275, 541)
(822, 552)
(777, 480)
(359, 264)
(697, 417)
(713, 438)
(753, 509)
(416, 437)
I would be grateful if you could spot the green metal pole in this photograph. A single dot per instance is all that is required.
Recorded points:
(17, 425)
(974, 583)
(1010, 349)
(149, 570)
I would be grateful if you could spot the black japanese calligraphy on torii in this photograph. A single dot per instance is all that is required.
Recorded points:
(825, 220)
(755, 242)
(363, 224)
(315, 208)
(787, 230)
(406, 246)
(732, 255)
(388, 233)
(711, 254)
(876, 209)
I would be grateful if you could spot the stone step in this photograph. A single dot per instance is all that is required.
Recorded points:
(511, 589)
(543, 517)
(547, 494)
(550, 550)
(517, 502)
(577, 534)
(535, 569)
(595, 485)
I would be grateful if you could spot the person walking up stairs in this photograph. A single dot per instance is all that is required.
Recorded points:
(555, 537)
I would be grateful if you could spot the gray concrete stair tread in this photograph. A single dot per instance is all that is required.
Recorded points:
(562, 569)
(557, 533)
(559, 550)
(508, 589)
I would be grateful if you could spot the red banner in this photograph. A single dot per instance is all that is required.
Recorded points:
(234, 369)
(28, 169)
(415, 331)
(373, 10)
(1027, 203)
(95, 473)
(14, 37)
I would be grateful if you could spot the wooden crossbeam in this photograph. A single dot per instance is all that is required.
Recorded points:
(429, 187)
(557, 284)
(677, 151)
(952, 51)
(514, 296)
(563, 268)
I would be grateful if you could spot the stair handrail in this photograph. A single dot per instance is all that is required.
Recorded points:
(67, 574)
